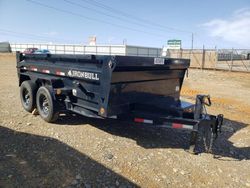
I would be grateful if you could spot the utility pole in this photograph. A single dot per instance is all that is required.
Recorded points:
(192, 44)
(124, 41)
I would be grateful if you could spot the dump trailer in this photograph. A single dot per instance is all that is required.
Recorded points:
(138, 90)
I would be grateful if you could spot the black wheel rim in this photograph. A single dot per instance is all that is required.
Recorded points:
(44, 104)
(26, 97)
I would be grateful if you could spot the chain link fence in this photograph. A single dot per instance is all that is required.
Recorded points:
(222, 59)
(233, 59)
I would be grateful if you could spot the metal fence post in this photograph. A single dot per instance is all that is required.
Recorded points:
(231, 65)
(216, 60)
(203, 57)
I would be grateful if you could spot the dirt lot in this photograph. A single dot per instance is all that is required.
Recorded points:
(82, 152)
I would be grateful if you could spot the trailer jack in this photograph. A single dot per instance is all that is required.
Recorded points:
(208, 127)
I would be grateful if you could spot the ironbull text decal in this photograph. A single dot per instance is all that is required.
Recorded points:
(81, 74)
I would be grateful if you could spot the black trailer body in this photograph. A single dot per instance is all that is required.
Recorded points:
(139, 89)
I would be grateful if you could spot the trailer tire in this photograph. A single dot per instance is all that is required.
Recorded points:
(46, 106)
(27, 95)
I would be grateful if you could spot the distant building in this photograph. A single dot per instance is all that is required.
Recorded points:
(128, 50)
(5, 47)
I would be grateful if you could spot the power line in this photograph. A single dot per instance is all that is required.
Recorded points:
(93, 19)
(124, 14)
(103, 13)
(26, 35)
(21, 36)
(30, 35)
(120, 18)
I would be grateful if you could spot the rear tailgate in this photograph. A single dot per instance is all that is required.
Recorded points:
(143, 82)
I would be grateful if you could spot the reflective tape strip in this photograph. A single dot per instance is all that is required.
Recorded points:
(60, 73)
(138, 120)
(187, 127)
(141, 120)
(148, 121)
(46, 71)
(181, 126)
(113, 117)
(33, 68)
(177, 125)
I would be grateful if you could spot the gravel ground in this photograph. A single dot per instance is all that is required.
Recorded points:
(83, 152)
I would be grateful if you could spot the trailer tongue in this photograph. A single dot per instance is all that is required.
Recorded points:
(142, 90)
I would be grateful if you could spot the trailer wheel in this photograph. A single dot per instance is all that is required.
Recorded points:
(46, 106)
(27, 95)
